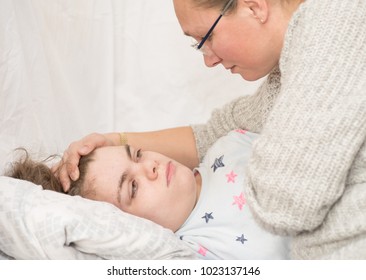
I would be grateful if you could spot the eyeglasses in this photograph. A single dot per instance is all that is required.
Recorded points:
(199, 46)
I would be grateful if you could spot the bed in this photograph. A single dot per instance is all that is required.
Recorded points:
(68, 68)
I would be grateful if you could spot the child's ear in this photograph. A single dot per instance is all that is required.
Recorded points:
(259, 9)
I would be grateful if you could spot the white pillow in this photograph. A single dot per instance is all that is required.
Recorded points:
(42, 224)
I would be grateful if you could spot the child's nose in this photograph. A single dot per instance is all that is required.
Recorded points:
(151, 170)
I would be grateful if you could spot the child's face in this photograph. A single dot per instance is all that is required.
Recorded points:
(146, 184)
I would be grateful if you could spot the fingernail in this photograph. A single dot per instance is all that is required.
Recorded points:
(74, 175)
(84, 149)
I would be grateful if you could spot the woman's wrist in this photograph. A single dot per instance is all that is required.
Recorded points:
(123, 138)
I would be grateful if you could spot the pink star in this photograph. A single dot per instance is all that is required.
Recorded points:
(241, 131)
(231, 177)
(239, 200)
(202, 250)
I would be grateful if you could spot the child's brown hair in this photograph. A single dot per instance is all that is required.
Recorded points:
(39, 173)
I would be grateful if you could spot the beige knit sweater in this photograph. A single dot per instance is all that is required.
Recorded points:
(307, 174)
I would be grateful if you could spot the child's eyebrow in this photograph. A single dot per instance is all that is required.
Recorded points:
(124, 175)
(120, 184)
(128, 151)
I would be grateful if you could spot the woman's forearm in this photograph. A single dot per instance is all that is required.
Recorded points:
(177, 143)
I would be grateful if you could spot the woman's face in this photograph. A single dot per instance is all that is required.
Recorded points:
(142, 183)
(240, 41)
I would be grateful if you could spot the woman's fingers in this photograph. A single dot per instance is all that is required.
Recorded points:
(67, 169)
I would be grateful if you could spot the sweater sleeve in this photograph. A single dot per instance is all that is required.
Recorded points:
(247, 112)
(299, 166)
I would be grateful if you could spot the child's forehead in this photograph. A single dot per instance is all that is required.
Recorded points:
(111, 151)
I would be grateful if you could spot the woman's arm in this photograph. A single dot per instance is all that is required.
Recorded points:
(248, 112)
(177, 143)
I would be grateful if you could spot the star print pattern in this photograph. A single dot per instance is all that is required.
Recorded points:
(241, 239)
(202, 250)
(231, 177)
(241, 131)
(239, 200)
(225, 205)
(218, 163)
(207, 217)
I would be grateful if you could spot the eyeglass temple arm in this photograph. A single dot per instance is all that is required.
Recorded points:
(209, 33)
(214, 25)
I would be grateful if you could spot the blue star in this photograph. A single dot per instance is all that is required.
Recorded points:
(218, 163)
(207, 217)
(241, 238)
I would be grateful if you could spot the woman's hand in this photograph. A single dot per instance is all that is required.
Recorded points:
(177, 143)
(67, 169)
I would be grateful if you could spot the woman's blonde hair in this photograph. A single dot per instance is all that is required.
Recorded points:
(219, 4)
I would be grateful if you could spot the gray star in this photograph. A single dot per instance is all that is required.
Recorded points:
(241, 238)
(218, 163)
(207, 217)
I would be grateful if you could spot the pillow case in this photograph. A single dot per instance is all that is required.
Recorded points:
(42, 224)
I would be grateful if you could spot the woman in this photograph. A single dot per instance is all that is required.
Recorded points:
(307, 173)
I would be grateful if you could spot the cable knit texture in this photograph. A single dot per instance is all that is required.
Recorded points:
(307, 174)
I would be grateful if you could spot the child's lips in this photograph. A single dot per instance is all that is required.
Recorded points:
(170, 169)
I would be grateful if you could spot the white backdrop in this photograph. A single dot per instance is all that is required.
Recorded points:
(71, 67)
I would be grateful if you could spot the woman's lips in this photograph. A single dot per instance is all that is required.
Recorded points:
(170, 169)
(230, 68)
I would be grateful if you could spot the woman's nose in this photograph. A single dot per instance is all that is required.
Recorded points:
(211, 59)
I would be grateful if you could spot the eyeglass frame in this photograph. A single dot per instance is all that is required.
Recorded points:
(223, 11)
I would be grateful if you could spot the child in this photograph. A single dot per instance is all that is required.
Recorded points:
(206, 208)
